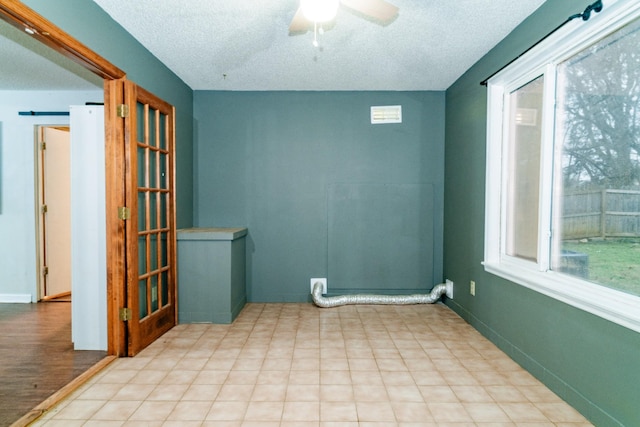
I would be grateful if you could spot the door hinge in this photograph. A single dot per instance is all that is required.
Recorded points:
(43, 145)
(44, 209)
(125, 314)
(124, 213)
(45, 270)
(123, 110)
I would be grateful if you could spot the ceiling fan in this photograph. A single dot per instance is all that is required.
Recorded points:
(314, 13)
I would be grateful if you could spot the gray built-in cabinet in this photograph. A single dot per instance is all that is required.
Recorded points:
(211, 274)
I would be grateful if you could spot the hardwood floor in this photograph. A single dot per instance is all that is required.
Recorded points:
(36, 356)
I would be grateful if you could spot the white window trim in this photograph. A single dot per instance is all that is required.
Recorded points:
(616, 306)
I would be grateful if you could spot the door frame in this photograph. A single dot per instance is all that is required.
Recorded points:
(23, 17)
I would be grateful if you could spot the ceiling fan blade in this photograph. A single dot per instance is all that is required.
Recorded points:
(299, 24)
(378, 10)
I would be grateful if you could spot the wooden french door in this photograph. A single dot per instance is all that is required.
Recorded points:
(148, 216)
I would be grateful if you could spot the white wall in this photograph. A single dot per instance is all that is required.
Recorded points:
(18, 270)
(88, 229)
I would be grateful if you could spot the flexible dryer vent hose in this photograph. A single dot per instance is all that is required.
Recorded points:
(430, 298)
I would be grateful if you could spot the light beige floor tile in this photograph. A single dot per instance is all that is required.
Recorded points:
(438, 394)
(523, 412)
(273, 377)
(338, 411)
(102, 423)
(117, 376)
(227, 411)
(277, 364)
(133, 392)
(116, 410)
(260, 424)
(190, 411)
(304, 377)
(180, 377)
(235, 393)
(428, 378)
(242, 377)
(64, 423)
(370, 393)
(207, 392)
(538, 394)
(397, 378)
(449, 413)
(269, 393)
(167, 392)
(264, 411)
(362, 364)
(472, 394)
(303, 393)
(460, 377)
(375, 411)
(336, 393)
(248, 364)
(335, 377)
(148, 376)
(98, 392)
(211, 377)
(296, 365)
(486, 412)
(79, 410)
(560, 412)
(506, 393)
(301, 411)
(412, 412)
(404, 393)
(153, 411)
(299, 424)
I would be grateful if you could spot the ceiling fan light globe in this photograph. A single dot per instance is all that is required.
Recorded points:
(319, 10)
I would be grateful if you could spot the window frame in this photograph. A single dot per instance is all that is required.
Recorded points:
(616, 306)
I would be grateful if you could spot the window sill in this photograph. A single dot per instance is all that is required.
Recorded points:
(610, 304)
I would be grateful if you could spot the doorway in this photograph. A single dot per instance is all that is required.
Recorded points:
(124, 284)
(53, 192)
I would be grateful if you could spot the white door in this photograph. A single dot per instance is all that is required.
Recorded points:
(55, 206)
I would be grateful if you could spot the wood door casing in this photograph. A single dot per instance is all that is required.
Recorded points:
(149, 134)
(115, 198)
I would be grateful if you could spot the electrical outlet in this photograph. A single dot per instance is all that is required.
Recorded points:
(472, 288)
(322, 280)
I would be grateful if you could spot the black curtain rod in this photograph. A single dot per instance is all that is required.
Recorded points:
(43, 113)
(595, 7)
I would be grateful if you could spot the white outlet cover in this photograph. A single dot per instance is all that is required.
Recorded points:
(321, 280)
(449, 284)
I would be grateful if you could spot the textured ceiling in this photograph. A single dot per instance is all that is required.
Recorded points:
(245, 45)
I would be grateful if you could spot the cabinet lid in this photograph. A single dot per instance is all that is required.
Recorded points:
(211, 233)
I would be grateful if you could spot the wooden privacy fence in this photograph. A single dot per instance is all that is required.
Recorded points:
(601, 213)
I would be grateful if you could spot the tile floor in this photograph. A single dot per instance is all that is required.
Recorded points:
(299, 365)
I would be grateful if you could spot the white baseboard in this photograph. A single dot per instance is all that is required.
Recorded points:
(15, 298)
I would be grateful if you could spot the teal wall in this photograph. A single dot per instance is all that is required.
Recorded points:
(323, 192)
(89, 24)
(298, 169)
(588, 361)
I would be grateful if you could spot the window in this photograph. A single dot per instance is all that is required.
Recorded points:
(563, 166)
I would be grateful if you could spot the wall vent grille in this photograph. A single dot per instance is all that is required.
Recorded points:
(386, 114)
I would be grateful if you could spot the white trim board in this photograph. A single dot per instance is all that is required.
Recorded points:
(15, 298)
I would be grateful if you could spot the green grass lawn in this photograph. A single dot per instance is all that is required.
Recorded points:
(612, 262)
